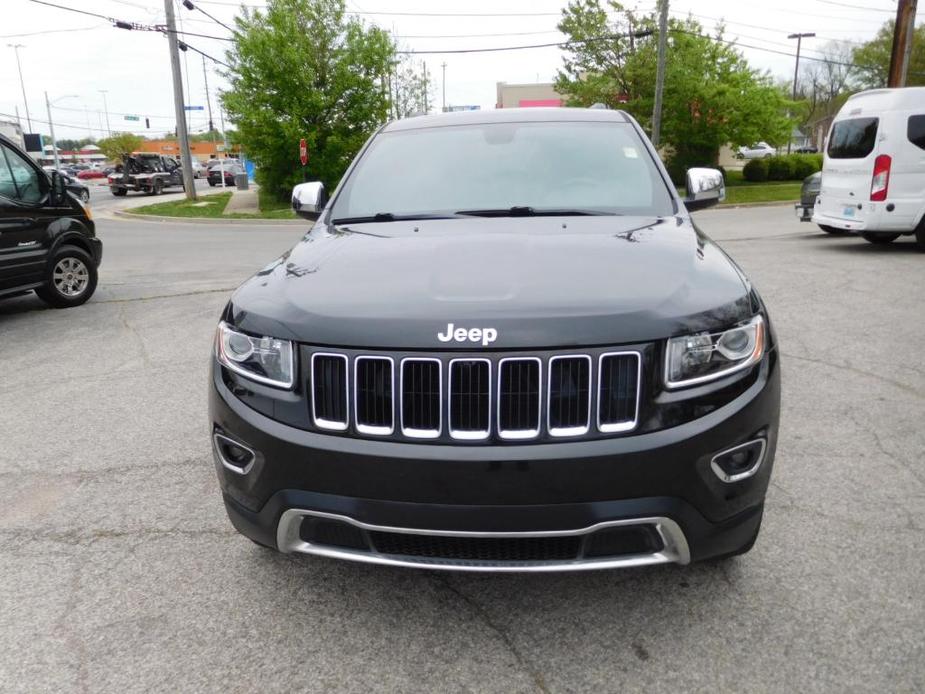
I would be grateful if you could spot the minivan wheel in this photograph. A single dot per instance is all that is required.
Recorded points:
(70, 280)
(879, 238)
(920, 236)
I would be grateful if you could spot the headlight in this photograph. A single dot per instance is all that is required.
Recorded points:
(262, 359)
(694, 359)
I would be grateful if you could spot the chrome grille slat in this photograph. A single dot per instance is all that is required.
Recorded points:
(374, 395)
(461, 397)
(421, 392)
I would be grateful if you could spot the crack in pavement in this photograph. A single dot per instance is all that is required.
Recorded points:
(165, 296)
(482, 615)
(860, 372)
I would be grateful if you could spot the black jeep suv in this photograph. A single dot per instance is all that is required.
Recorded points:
(505, 346)
(47, 237)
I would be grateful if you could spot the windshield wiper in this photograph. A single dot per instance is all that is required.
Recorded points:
(388, 217)
(526, 211)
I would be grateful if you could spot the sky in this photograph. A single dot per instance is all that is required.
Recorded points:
(73, 57)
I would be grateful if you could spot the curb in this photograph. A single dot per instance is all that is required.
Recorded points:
(208, 220)
(736, 205)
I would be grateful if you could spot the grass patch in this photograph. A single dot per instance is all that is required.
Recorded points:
(762, 192)
(270, 208)
(185, 208)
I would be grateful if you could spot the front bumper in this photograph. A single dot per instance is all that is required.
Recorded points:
(660, 483)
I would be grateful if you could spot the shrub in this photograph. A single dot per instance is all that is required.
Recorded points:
(805, 165)
(756, 170)
(780, 168)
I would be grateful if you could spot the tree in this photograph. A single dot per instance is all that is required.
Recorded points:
(302, 68)
(120, 143)
(70, 144)
(873, 59)
(711, 97)
(409, 90)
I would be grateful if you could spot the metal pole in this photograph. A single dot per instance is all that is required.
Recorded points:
(106, 108)
(221, 118)
(443, 90)
(51, 126)
(205, 76)
(426, 106)
(660, 71)
(796, 74)
(902, 43)
(22, 84)
(188, 183)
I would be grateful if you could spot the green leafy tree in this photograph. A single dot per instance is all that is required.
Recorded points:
(303, 68)
(409, 89)
(711, 97)
(120, 143)
(873, 59)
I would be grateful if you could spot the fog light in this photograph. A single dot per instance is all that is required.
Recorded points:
(234, 455)
(740, 462)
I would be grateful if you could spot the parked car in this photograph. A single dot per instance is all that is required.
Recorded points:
(48, 242)
(502, 346)
(198, 169)
(229, 168)
(873, 172)
(759, 150)
(90, 173)
(806, 149)
(76, 187)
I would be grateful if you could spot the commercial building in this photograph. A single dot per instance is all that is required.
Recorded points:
(521, 95)
(203, 151)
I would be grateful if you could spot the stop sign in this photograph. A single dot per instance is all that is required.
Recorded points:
(303, 151)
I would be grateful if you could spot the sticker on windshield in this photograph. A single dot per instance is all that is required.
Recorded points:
(630, 153)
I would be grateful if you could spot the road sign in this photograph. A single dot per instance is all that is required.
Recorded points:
(303, 151)
(132, 118)
(194, 108)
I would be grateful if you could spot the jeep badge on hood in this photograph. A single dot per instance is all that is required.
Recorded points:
(484, 335)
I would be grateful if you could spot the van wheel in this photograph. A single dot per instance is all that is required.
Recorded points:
(158, 187)
(830, 230)
(119, 192)
(880, 239)
(920, 236)
(70, 279)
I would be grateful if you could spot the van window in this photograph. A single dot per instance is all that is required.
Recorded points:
(18, 180)
(915, 131)
(853, 138)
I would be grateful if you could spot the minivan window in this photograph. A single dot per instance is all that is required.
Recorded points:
(915, 130)
(853, 139)
(18, 180)
(593, 167)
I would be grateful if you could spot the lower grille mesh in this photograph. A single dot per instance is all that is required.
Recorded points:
(477, 548)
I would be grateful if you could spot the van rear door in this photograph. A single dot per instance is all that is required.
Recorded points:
(848, 168)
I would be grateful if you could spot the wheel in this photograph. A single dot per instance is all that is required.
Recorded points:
(880, 239)
(70, 279)
(830, 230)
(768, 156)
(211, 184)
(85, 195)
(920, 236)
(158, 186)
(119, 192)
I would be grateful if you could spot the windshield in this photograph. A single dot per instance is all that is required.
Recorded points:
(568, 166)
(853, 139)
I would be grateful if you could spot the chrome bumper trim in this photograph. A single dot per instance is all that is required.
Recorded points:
(675, 550)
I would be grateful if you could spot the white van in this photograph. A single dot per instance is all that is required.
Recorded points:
(873, 174)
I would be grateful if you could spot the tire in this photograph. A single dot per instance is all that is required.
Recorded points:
(158, 186)
(85, 195)
(831, 230)
(70, 279)
(211, 184)
(119, 192)
(920, 236)
(880, 239)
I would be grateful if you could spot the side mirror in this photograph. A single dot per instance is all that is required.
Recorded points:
(309, 199)
(705, 188)
(58, 188)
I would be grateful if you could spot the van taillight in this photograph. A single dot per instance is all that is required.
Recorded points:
(880, 183)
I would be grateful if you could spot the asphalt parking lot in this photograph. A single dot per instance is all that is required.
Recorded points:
(119, 571)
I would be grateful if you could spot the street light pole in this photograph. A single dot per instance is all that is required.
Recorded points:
(443, 90)
(106, 108)
(51, 124)
(182, 135)
(796, 73)
(660, 71)
(16, 47)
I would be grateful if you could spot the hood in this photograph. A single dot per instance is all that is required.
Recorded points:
(537, 282)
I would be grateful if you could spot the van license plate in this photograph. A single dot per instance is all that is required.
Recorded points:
(849, 212)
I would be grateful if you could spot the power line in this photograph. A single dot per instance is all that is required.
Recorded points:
(184, 46)
(610, 37)
(856, 7)
(190, 6)
(51, 31)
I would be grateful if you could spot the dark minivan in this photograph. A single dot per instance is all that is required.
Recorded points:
(47, 237)
(504, 345)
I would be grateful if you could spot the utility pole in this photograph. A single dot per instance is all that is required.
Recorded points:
(796, 75)
(106, 108)
(16, 47)
(902, 43)
(188, 182)
(205, 76)
(51, 126)
(426, 105)
(660, 71)
(443, 90)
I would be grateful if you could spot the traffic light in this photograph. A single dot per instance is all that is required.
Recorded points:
(147, 123)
